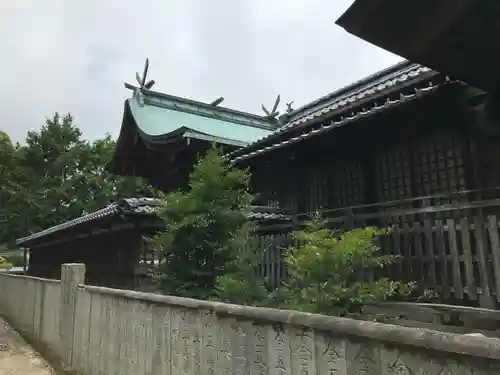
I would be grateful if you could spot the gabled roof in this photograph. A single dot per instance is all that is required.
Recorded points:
(161, 115)
(455, 37)
(129, 206)
(390, 87)
(146, 207)
(158, 118)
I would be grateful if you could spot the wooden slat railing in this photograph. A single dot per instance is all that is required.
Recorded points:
(452, 248)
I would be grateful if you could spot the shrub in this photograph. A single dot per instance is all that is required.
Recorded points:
(16, 259)
(205, 225)
(337, 275)
(5, 266)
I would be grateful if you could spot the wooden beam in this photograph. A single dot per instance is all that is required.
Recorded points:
(438, 21)
(25, 259)
(70, 238)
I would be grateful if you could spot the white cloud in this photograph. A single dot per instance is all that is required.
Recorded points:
(73, 56)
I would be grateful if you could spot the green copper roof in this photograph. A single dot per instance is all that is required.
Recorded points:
(160, 115)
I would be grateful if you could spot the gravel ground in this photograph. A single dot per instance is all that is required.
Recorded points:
(17, 357)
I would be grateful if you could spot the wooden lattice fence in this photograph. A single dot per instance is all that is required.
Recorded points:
(452, 248)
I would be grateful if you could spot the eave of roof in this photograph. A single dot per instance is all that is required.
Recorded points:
(157, 121)
(146, 207)
(153, 120)
(389, 104)
(365, 92)
(384, 82)
(349, 90)
(129, 206)
(456, 37)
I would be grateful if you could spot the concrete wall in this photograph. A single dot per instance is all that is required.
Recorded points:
(125, 332)
(33, 305)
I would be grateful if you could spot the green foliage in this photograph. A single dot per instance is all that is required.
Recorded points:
(327, 274)
(5, 266)
(55, 176)
(205, 225)
(337, 275)
(242, 285)
(9, 185)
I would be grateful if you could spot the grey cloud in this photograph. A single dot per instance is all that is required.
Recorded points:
(73, 56)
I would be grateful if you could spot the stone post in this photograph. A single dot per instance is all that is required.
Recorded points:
(72, 274)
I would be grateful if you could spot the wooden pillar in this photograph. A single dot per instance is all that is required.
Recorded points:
(474, 170)
(25, 260)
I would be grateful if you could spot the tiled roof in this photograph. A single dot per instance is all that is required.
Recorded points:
(264, 213)
(370, 89)
(145, 206)
(363, 92)
(125, 206)
(344, 121)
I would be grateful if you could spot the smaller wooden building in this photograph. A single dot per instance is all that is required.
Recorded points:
(114, 245)
(109, 242)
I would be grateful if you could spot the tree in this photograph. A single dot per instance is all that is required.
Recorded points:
(55, 177)
(10, 189)
(242, 284)
(205, 226)
(7, 161)
(6, 165)
(7, 151)
(94, 184)
(51, 159)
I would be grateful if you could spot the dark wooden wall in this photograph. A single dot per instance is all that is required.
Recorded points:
(168, 165)
(419, 149)
(110, 258)
(403, 168)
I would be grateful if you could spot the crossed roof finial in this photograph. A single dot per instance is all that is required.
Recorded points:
(274, 112)
(142, 80)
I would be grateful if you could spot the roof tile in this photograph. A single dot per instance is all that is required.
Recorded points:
(144, 206)
(344, 121)
(371, 88)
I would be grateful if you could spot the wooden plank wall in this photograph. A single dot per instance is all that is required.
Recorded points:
(453, 249)
(273, 247)
(458, 257)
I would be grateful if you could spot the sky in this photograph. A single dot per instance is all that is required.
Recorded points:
(74, 56)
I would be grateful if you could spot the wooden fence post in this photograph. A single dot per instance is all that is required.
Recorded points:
(72, 274)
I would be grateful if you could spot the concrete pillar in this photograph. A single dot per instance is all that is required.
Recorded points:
(72, 274)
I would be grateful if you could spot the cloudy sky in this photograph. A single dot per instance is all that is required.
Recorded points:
(74, 56)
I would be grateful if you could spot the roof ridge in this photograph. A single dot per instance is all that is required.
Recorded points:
(152, 94)
(361, 91)
(360, 84)
(391, 78)
(341, 122)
